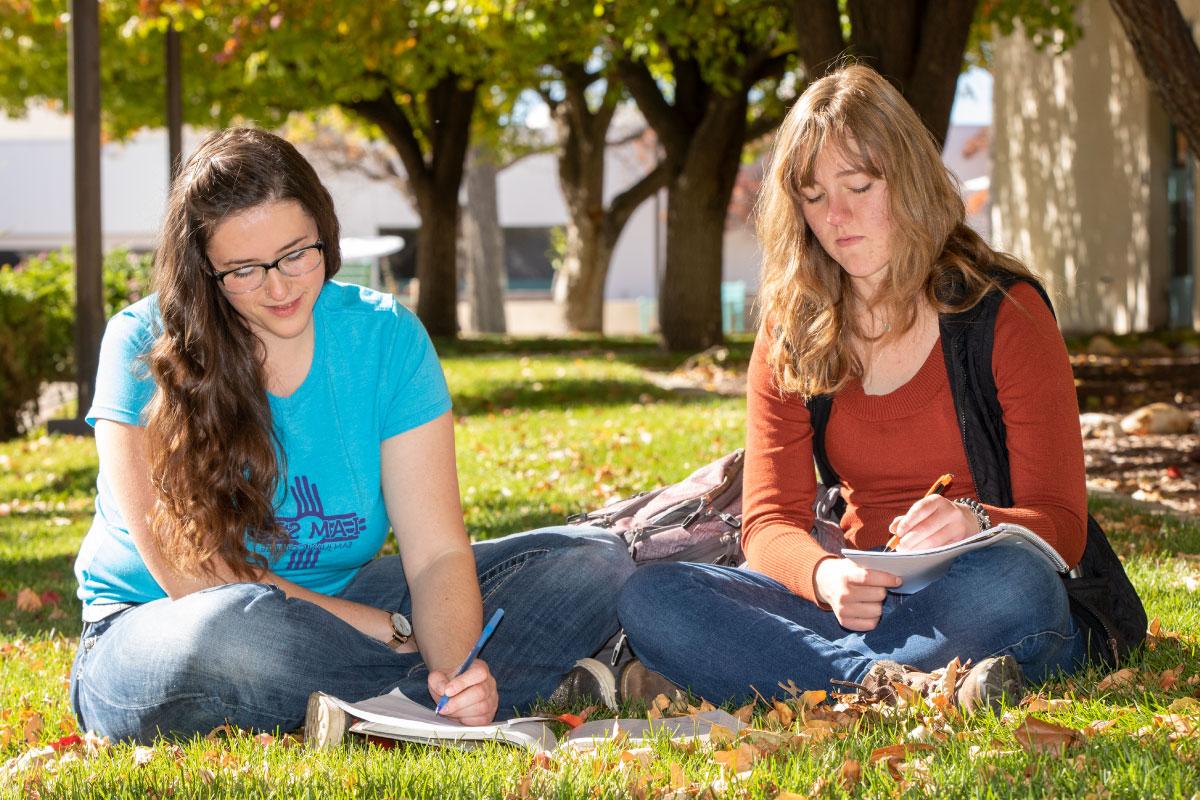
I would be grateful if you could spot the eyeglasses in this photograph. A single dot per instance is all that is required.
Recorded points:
(251, 276)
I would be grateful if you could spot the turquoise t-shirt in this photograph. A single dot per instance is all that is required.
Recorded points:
(374, 375)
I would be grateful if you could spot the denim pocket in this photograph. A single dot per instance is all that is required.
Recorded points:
(498, 575)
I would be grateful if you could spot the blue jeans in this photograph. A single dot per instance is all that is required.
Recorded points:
(246, 654)
(721, 630)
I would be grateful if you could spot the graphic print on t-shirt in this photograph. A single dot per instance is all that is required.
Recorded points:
(312, 531)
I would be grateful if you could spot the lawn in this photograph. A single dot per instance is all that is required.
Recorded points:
(545, 429)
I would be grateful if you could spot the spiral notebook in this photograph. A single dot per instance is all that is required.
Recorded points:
(919, 568)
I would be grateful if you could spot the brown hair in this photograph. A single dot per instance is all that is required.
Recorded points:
(210, 437)
(805, 296)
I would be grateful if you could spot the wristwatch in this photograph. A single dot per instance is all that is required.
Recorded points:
(981, 515)
(401, 628)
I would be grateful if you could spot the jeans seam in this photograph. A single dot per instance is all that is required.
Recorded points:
(1009, 649)
(510, 566)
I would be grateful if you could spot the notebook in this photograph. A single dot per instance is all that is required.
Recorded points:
(396, 716)
(919, 568)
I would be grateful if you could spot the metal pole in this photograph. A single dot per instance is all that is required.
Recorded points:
(89, 297)
(174, 103)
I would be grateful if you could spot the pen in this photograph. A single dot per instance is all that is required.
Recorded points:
(483, 637)
(939, 486)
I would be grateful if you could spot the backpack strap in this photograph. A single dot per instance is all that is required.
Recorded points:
(819, 408)
(967, 341)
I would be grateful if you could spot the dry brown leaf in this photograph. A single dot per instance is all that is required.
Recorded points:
(898, 751)
(1169, 678)
(1188, 706)
(1039, 736)
(791, 796)
(706, 706)
(1097, 727)
(1121, 679)
(720, 735)
(1038, 704)
(737, 759)
(784, 713)
(1180, 726)
(744, 713)
(641, 756)
(850, 774)
(28, 600)
(678, 778)
(813, 697)
(32, 728)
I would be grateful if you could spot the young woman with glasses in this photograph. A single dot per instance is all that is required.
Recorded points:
(260, 428)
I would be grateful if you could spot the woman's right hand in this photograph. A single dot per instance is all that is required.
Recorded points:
(855, 594)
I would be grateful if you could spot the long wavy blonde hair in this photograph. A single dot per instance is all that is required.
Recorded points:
(807, 304)
(210, 435)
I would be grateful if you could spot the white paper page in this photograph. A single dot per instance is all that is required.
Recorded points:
(397, 710)
(919, 568)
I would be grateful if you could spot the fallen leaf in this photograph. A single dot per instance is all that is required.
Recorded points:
(32, 729)
(1168, 678)
(784, 713)
(850, 774)
(1188, 706)
(142, 755)
(28, 600)
(1039, 736)
(813, 697)
(720, 735)
(1121, 679)
(737, 759)
(1097, 727)
(1039, 703)
(744, 713)
(678, 778)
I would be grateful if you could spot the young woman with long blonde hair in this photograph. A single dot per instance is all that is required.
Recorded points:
(867, 260)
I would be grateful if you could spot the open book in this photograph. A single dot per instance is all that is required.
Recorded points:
(395, 716)
(919, 568)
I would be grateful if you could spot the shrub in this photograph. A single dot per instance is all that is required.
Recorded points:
(37, 322)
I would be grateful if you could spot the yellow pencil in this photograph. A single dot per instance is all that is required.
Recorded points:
(939, 486)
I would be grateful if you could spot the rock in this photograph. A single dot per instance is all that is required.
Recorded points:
(1152, 348)
(1094, 425)
(1102, 346)
(1157, 418)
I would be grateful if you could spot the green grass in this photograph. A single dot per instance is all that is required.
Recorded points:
(546, 428)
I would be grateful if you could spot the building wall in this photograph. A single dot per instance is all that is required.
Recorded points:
(1080, 160)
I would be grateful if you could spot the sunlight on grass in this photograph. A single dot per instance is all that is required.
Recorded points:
(545, 429)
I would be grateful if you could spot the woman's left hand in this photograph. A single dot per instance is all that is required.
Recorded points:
(473, 695)
(932, 522)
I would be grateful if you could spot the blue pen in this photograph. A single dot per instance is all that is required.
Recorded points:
(483, 637)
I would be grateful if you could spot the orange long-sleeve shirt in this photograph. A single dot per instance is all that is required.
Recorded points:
(887, 449)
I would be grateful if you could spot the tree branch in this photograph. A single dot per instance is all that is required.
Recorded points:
(654, 107)
(623, 205)
(818, 28)
(1170, 60)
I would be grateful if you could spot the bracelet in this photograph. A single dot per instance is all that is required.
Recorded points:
(981, 514)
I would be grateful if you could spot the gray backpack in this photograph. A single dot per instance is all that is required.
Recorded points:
(698, 519)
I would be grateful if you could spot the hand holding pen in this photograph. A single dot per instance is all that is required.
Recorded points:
(488, 629)
(939, 486)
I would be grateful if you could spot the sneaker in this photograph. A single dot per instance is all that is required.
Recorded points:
(990, 683)
(638, 682)
(325, 722)
(588, 680)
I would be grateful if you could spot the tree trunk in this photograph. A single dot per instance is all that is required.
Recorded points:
(1166, 50)
(689, 306)
(437, 276)
(579, 283)
(485, 279)
(435, 180)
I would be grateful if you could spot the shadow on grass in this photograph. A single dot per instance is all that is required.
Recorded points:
(566, 392)
(52, 580)
(641, 351)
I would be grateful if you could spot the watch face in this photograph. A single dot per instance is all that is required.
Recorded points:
(401, 625)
